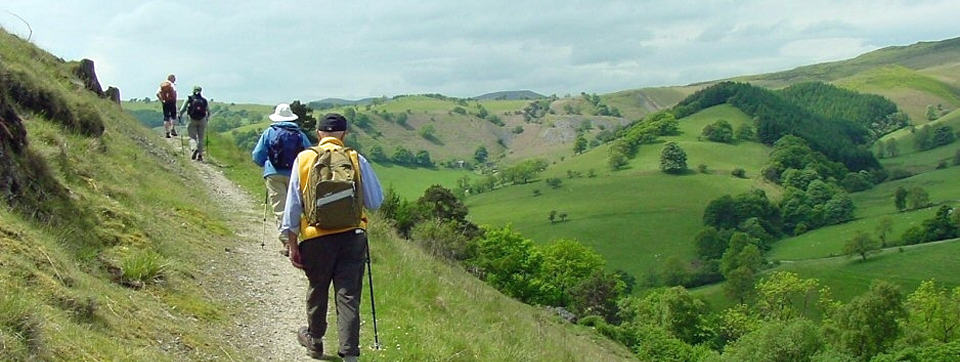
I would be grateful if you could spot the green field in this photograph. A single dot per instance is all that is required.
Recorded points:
(637, 217)
(411, 182)
(848, 277)
(873, 206)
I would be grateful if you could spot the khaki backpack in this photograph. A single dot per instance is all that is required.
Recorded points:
(332, 199)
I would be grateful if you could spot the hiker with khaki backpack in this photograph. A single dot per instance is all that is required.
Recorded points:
(197, 108)
(276, 150)
(167, 94)
(330, 186)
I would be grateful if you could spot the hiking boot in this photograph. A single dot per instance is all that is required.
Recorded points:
(194, 155)
(313, 344)
(173, 133)
(199, 157)
(168, 134)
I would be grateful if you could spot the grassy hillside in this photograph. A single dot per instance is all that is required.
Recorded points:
(910, 89)
(873, 206)
(419, 298)
(432, 310)
(107, 269)
(637, 217)
(812, 254)
(849, 277)
(115, 271)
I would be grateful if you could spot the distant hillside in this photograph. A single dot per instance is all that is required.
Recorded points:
(510, 95)
(920, 55)
(336, 102)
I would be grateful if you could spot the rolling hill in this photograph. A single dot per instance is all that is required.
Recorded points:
(510, 95)
(111, 243)
(639, 217)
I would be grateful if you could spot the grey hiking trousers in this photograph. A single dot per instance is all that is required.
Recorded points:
(196, 130)
(338, 258)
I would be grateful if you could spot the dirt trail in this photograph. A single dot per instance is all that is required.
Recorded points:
(267, 290)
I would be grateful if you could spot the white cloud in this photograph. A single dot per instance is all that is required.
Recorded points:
(277, 51)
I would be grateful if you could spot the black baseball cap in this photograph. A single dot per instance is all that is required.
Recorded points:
(332, 122)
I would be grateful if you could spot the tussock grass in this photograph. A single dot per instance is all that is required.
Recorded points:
(143, 267)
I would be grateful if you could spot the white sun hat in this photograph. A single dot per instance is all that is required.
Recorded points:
(282, 113)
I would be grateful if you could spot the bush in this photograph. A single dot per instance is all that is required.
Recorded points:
(719, 131)
(898, 173)
(443, 239)
(701, 168)
(739, 172)
(554, 182)
(942, 164)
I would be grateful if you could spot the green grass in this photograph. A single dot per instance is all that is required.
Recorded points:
(236, 164)
(911, 90)
(432, 310)
(920, 161)
(850, 277)
(62, 293)
(410, 183)
(637, 217)
(143, 266)
(873, 206)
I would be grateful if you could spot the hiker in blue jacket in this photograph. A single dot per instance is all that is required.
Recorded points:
(278, 146)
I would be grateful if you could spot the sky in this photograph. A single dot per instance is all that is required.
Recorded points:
(278, 51)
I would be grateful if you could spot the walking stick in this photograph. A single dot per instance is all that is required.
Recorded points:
(180, 121)
(373, 305)
(264, 236)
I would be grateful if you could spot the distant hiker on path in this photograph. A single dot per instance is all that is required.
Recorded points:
(329, 187)
(276, 150)
(167, 94)
(197, 108)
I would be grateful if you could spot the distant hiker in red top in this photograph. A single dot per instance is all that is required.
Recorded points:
(167, 94)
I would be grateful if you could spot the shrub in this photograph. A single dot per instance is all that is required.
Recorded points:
(554, 182)
(719, 131)
(942, 164)
(739, 172)
(898, 173)
(443, 239)
(701, 168)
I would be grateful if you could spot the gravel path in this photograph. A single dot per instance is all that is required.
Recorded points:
(267, 290)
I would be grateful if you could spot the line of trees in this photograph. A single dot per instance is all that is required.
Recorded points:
(645, 131)
(775, 116)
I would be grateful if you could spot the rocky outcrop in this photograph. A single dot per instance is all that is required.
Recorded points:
(13, 142)
(86, 73)
(113, 94)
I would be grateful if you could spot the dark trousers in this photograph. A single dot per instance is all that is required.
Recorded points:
(338, 258)
(170, 111)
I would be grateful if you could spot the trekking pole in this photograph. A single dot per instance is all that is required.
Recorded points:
(373, 305)
(264, 237)
(180, 120)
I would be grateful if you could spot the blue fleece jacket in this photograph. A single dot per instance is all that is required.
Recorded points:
(260, 153)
